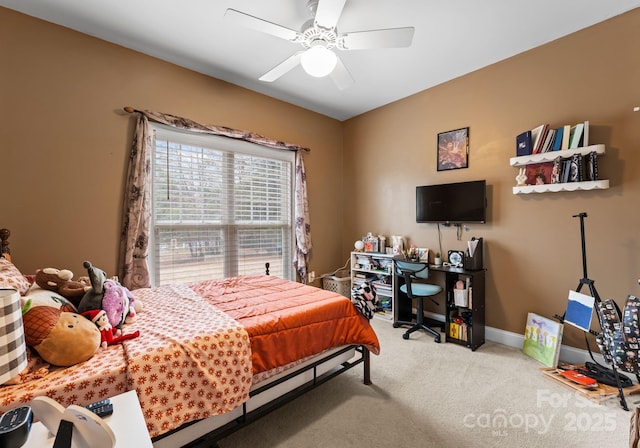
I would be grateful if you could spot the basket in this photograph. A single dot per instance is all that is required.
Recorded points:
(338, 281)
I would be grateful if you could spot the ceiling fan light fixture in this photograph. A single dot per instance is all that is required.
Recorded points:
(318, 61)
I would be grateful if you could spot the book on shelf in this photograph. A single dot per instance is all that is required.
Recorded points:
(566, 169)
(538, 135)
(591, 168)
(576, 173)
(566, 137)
(556, 170)
(576, 135)
(585, 134)
(458, 330)
(523, 144)
(557, 140)
(548, 140)
(382, 288)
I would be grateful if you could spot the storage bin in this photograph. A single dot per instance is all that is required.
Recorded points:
(339, 281)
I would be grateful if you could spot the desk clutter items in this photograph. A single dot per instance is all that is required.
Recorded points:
(473, 258)
(456, 258)
(371, 243)
(542, 339)
(75, 424)
(397, 244)
(461, 293)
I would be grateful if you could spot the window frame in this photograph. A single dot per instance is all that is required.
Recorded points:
(222, 143)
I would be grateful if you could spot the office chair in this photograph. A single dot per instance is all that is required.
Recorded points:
(410, 271)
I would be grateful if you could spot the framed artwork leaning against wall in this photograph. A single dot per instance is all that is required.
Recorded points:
(453, 149)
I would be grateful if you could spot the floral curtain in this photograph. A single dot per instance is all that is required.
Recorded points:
(133, 268)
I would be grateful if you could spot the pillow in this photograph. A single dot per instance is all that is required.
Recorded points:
(11, 278)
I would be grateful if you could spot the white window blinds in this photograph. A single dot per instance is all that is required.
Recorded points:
(221, 208)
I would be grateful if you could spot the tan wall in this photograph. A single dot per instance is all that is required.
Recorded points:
(64, 140)
(532, 249)
(64, 143)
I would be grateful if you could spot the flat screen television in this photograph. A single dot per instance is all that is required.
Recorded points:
(454, 203)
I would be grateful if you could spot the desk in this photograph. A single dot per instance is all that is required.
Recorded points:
(474, 336)
(127, 423)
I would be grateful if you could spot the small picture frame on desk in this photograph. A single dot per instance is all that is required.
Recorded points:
(371, 246)
(423, 254)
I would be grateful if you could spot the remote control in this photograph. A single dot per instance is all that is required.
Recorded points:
(101, 408)
(15, 426)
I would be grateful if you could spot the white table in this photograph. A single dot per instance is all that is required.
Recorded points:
(126, 422)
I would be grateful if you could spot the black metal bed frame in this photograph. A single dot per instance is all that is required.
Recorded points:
(210, 439)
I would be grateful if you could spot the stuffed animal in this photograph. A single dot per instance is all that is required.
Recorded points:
(59, 280)
(116, 302)
(60, 338)
(92, 299)
(108, 334)
(43, 297)
(107, 294)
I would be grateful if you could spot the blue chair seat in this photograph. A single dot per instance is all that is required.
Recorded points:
(422, 289)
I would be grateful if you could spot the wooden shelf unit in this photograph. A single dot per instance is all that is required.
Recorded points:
(376, 267)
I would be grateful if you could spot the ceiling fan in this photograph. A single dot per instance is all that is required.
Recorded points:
(319, 37)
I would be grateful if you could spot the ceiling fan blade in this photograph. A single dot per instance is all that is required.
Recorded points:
(389, 38)
(328, 12)
(257, 24)
(341, 75)
(285, 66)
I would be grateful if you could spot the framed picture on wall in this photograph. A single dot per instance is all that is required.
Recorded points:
(453, 149)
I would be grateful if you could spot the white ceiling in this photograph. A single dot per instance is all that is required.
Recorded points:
(452, 38)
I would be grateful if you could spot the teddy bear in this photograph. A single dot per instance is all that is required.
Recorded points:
(61, 338)
(108, 334)
(59, 280)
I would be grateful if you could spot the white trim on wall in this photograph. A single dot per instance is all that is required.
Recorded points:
(568, 354)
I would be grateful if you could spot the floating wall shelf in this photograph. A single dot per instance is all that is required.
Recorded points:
(550, 157)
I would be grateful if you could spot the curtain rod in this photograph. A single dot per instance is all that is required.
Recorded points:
(131, 110)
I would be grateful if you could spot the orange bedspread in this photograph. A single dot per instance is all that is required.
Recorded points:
(288, 321)
(192, 359)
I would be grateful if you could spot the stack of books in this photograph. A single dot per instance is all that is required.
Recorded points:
(543, 138)
(458, 331)
(382, 288)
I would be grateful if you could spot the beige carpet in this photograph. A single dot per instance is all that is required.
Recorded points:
(440, 395)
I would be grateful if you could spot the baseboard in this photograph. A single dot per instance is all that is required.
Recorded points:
(568, 354)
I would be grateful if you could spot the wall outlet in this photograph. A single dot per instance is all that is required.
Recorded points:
(311, 277)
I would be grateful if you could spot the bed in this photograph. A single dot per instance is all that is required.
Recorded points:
(212, 356)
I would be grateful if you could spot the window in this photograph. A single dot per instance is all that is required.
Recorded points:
(221, 208)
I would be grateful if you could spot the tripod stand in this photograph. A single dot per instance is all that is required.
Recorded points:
(585, 280)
